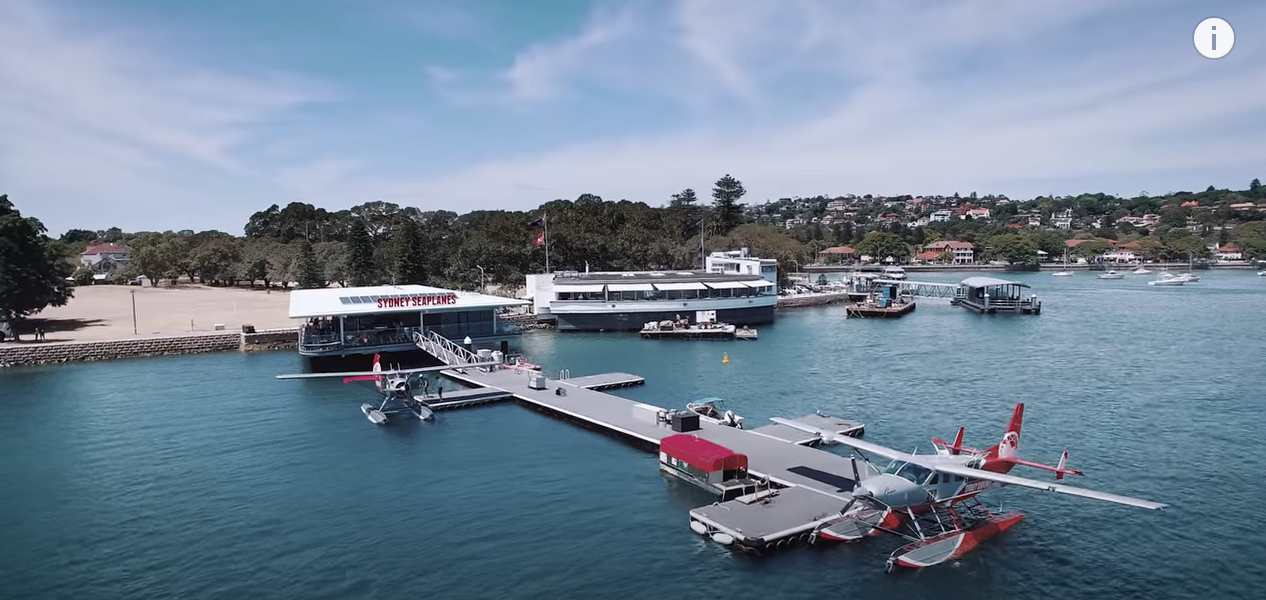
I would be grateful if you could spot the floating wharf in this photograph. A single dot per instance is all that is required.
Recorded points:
(728, 332)
(881, 312)
(815, 484)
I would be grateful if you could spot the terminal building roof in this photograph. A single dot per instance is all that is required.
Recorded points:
(382, 299)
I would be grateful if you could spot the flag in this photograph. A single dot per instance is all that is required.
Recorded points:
(538, 222)
(540, 240)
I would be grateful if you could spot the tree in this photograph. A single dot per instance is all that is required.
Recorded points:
(360, 254)
(409, 264)
(1255, 188)
(257, 270)
(1014, 248)
(78, 236)
(728, 212)
(880, 245)
(309, 273)
(1092, 248)
(33, 270)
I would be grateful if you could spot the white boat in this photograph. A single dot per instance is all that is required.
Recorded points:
(1141, 270)
(1110, 275)
(1261, 273)
(894, 273)
(1168, 279)
(1065, 272)
(714, 410)
(1190, 275)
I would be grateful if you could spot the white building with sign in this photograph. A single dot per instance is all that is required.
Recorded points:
(369, 320)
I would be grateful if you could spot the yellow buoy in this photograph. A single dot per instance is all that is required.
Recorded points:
(725, 358)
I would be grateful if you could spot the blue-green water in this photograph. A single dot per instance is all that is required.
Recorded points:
(202, 477)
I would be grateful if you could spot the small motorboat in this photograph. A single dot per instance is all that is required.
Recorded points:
(1168, 279)
(1110, 275)
(375, 416)
(714, 409)
(1261, 273)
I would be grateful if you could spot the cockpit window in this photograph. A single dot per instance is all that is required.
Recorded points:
(909, 471)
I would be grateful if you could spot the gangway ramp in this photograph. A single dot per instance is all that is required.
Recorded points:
(927, 289)
(443, 349)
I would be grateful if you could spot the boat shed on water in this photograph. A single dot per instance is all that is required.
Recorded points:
(373, 319)
(991, 295)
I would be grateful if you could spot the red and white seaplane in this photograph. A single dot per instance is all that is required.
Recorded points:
(930, 500)
(394, 385)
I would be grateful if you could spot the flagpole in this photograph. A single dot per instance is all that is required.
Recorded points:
(545, 222)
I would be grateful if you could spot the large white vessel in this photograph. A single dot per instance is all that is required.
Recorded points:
(626, 301)
(742, 289)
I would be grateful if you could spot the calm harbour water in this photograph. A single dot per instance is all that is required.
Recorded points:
(204, 477)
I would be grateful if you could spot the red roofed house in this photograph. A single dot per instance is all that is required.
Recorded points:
(104, 259)
(1229, 253)
(835, 255)
(1190, 204)
(962, 252)
(931, 256)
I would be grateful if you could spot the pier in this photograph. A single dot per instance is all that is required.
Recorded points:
(800, 489)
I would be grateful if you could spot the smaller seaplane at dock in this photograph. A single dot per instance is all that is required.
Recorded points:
(396, 386)
(930, 499)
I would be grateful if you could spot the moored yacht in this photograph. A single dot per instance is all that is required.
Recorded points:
(1167, 279)
(894, 273)
(1110, 275)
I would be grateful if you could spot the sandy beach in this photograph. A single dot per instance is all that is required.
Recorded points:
(104, 312)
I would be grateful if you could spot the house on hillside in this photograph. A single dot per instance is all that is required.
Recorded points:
(976, 213)
(962, 252)
(931, 256)
(1063, 219)
(104, 259)
(940, 216)
(836, 255)
(1229, 253)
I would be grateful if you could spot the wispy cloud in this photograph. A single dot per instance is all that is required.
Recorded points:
(86, 113)
(797, 97)
(902, 122)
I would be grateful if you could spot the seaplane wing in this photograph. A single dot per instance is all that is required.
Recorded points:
(852, 442)
(965, 471)
(384, 373)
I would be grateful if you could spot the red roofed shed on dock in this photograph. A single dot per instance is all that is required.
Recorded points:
(702, 454)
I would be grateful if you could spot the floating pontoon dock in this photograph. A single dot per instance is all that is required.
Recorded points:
(810, 484)
(803, 486)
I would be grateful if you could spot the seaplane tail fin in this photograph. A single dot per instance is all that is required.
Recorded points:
(1010, 444)
(951, 449)
(379, 381)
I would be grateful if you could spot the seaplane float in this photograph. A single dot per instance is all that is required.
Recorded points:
(929, 500)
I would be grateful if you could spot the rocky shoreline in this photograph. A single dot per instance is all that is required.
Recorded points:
(31, 353)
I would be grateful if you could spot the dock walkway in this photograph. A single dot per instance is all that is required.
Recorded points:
(771, 457)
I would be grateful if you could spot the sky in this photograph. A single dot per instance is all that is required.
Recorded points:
(157, 115)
